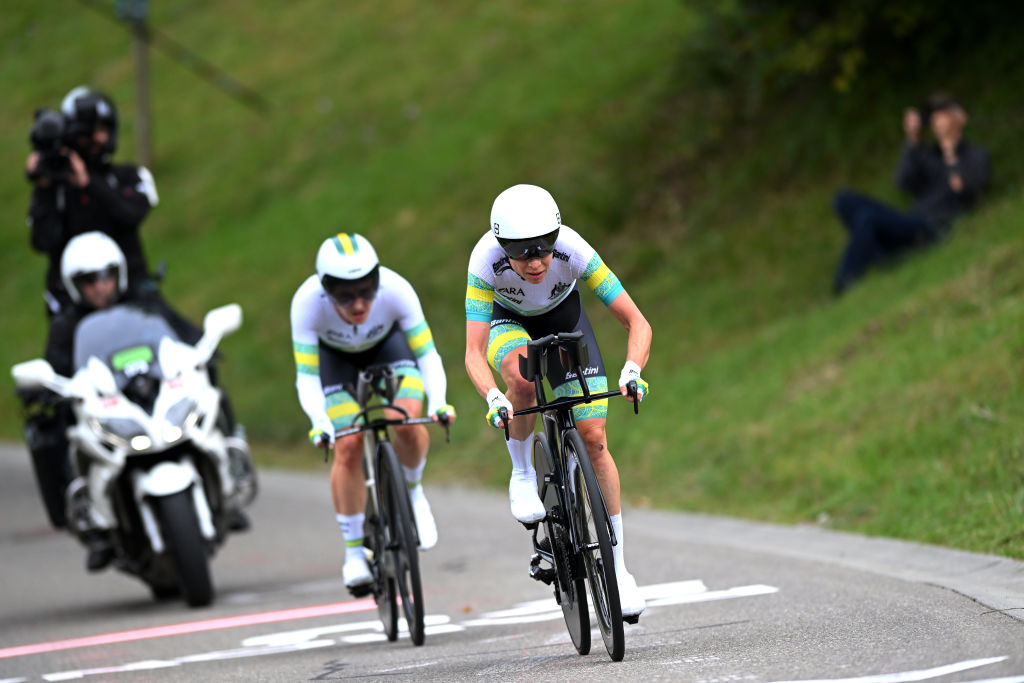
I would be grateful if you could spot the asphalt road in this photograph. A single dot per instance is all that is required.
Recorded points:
(727, 601)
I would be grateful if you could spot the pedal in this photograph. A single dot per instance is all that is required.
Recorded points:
(540, 574)
(632, 619)
(530, 526)
(361, 591)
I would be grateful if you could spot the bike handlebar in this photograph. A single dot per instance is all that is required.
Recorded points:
(381, 422)
(568, 402)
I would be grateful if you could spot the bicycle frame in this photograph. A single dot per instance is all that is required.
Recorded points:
(557, 417)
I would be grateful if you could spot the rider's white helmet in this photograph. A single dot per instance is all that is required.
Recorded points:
(525, 220)
(88, 254)
(347, 262)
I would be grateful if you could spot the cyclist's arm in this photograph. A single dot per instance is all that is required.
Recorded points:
(428, 360)
(638, 346)
(306, 352)
(420, 339)
(477, 335)
(479, 302)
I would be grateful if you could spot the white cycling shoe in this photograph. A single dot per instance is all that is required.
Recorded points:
(356, 572)
(426, 528)
(524, 499)
(630, 599)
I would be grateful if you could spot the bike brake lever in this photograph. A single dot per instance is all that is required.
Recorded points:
(635, 394)
(503, 414)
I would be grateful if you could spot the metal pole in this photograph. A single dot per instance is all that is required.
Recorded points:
(142, 120)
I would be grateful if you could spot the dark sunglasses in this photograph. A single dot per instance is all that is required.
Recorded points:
(345, 292)
(346, 298)
(95, 276)
(534, 247)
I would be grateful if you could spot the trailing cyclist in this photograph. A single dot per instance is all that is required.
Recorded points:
(522, 286)
(354, 313)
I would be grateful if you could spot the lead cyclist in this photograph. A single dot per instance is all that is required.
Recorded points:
(351, 314)
(522, 286)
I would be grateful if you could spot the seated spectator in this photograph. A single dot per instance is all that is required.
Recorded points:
(944, 177)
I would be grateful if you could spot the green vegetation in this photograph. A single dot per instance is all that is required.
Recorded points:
(896, 410)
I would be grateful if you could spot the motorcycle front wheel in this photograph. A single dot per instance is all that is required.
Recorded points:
(185, 546)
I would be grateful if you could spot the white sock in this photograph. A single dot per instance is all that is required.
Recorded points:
(352, 529)
(414, 475)
(520, 452)
(620, 562)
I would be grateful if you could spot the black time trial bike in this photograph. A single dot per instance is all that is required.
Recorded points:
(389, 532)
(578, 536)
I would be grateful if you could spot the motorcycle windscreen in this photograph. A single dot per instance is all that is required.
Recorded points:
(125, 338)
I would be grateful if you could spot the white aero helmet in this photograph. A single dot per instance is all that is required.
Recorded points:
(88, 255)
(525, 220)
(347, 267)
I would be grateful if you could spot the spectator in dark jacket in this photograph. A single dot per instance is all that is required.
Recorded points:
(944, 178)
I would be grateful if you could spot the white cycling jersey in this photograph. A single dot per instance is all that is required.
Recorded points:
(314, 320)
(491, 277)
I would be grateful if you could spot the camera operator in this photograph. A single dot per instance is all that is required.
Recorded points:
(77, 188)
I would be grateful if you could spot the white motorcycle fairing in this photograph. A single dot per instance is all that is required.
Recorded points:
(147, 429)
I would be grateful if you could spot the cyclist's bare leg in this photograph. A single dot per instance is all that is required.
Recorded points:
(593, 432)
(348, 484)
(520, 392)
(525, 503)
(411, 441)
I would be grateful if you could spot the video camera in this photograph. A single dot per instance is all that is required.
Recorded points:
(49, 136)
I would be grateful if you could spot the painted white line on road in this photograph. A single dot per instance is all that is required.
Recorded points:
(371, 631)
(910, 676)
(151, 664)
(656, 595)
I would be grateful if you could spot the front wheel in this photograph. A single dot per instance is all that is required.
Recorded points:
(186, 546)
(402, 563)
(592, 531)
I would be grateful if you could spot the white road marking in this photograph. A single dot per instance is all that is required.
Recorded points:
(909, 676)
(656, 595)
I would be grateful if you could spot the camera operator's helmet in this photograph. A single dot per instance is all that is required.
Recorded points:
(84, 108)
(525, 221)
(347, 267)
(88, 255)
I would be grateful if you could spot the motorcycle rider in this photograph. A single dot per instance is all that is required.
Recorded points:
(94, 273)
(351, 314)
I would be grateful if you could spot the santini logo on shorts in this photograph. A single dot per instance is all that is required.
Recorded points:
(587, 372)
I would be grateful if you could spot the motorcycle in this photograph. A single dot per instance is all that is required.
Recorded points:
(157, 474)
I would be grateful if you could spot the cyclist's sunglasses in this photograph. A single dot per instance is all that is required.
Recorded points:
(535, 247)
(345, 292)
(109, 273)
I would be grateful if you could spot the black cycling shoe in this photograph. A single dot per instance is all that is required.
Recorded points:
(238, 521)
(101, 552)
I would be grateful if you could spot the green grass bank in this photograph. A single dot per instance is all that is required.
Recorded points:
(894, 411)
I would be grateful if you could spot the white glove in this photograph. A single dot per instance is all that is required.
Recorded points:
(322, 433)
(495, 401)
(631, 373)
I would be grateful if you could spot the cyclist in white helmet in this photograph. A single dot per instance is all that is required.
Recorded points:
(522, 286)
(351, 314)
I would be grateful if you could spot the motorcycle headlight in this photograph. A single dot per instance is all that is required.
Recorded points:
(122, 431)
(180, 417)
